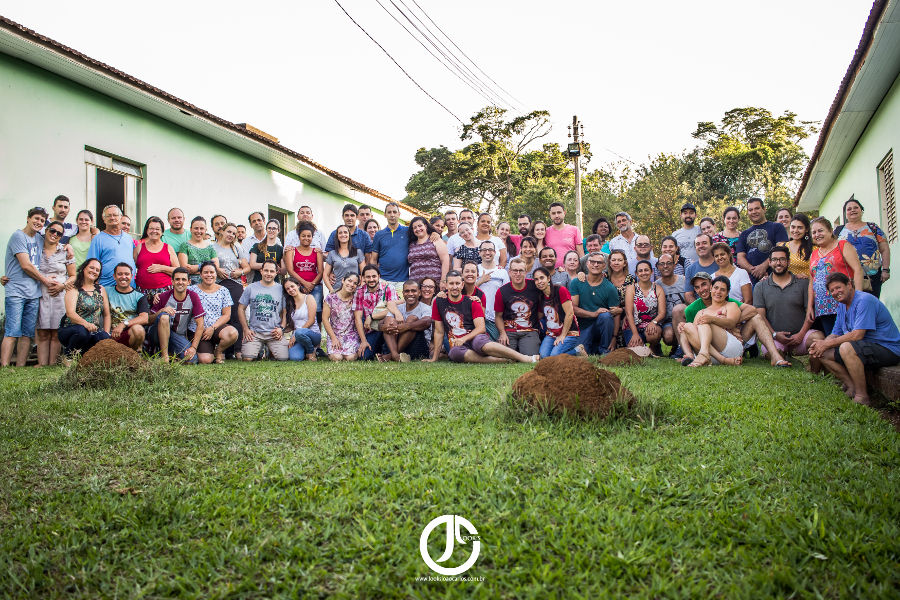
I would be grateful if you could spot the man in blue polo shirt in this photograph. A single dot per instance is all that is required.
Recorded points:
(112, 246)
(865, 338)
(390, 249)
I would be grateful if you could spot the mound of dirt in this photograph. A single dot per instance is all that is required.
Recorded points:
(110, 353)
(620, 357)
(573, 384)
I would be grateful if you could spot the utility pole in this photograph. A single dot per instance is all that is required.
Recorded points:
(576, 130)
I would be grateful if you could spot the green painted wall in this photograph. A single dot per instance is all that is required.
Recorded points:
(859, 177)
(46, 121)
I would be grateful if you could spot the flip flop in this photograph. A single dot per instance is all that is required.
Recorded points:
(783, 364)
(687, 360)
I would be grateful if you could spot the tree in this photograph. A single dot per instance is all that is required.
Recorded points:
(751, 153)
(495, 170)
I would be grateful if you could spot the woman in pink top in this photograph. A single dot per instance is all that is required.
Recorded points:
(155, 260)
(305, 264)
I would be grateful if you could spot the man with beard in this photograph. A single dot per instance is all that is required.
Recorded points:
(463, 320)
(625, 241)
(781, 301)
(523, 223)
(686, 235)
(755, 243)
(561, 237)
(705, 262)
(677, 299)
(516, 312)
(750, 323)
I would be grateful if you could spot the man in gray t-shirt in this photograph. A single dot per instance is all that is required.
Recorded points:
(261, 310)
(23, 290)
(686, 234)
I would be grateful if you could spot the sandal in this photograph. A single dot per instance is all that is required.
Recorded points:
(687, 360)
(783, 364)
(695, 363)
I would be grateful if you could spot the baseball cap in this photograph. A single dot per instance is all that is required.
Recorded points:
(688, 206)
(701, 275)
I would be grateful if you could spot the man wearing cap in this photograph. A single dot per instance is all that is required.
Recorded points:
(752, 324)
(686, 235)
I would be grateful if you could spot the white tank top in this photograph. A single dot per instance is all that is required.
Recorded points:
(301, 315)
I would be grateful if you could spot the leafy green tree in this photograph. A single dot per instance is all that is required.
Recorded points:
(752, 153)
(495, 170)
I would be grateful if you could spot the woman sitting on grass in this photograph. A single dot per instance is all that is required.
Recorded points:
(339, 321)
(300, 308)
(715, 334)
(562, 326)
(87, 319)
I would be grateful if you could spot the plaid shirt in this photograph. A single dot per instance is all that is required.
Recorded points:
(366, 301)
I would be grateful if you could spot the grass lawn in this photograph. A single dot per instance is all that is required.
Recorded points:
(310, 480)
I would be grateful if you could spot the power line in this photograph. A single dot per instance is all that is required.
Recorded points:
(466, 55)
(452, 58)
(396, 63)
(476, 90)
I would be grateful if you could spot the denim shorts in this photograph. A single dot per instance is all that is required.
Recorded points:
(21, 316)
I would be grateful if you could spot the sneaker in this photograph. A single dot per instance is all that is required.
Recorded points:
(678, 354)
(320, 353)
(404, 357)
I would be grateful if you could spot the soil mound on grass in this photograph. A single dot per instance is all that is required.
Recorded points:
(572, 384)
(110, 353)
(621, 357)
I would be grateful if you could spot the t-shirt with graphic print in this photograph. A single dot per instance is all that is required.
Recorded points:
(186, 310)
(552, 309)
(458, 317)
(264, 306)
(519, 308)
(124, 307)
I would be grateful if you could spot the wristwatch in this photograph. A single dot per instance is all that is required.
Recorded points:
(126, 323)
(774, 336)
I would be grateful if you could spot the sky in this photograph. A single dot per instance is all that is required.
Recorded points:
(639, 75)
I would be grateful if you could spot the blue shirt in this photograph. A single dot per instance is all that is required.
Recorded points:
(776, 234)
(869, 313)
(695, 267)
(21, 284)
(111, 250)
(392, 248)
(361, 241)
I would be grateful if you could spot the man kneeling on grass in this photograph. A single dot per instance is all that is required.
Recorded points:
(261, 311)
(170, 317)
(463, 319)
(865, 338)
(751, 323)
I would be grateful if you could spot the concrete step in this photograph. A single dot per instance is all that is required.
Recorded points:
(886, 380)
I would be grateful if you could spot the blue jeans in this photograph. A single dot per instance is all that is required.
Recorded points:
(628, 335)
(178, 344)
(21, 316)
(305, 342)
(77, 337)
(317, 296)
(376, 340)
(597, 337)
(566, 347)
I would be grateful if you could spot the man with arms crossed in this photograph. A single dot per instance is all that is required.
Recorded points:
(463, 320)
(596, 304)
(781, 301)
(865, 338)
(411, 337)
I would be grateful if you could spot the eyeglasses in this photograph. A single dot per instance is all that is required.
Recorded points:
(55, 232)
(488, 250)
(517, 270)
(665, 263)
(642, 245)
(596, 262)
(778, 260)
(427, 287)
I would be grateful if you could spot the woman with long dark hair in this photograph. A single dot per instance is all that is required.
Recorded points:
(197, 250)
(269, 248)
(870, 243)
(562, 326)
(346, 258)
(503, 232)
(87, 319)
(300, 313)
(800, 246)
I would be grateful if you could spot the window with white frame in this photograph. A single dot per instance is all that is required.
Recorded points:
(888, 198)
(111, 180)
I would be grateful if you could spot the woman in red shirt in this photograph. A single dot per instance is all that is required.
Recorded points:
(305, 264)
(559, 314)
(155, 260)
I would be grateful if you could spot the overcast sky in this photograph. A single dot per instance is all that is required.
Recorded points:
(639, 75)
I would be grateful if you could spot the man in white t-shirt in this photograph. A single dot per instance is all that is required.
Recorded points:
(292, 240)
(490, 277)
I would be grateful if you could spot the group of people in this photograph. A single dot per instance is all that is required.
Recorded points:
(454, 284)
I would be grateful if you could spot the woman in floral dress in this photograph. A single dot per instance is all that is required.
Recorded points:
(338, 319)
